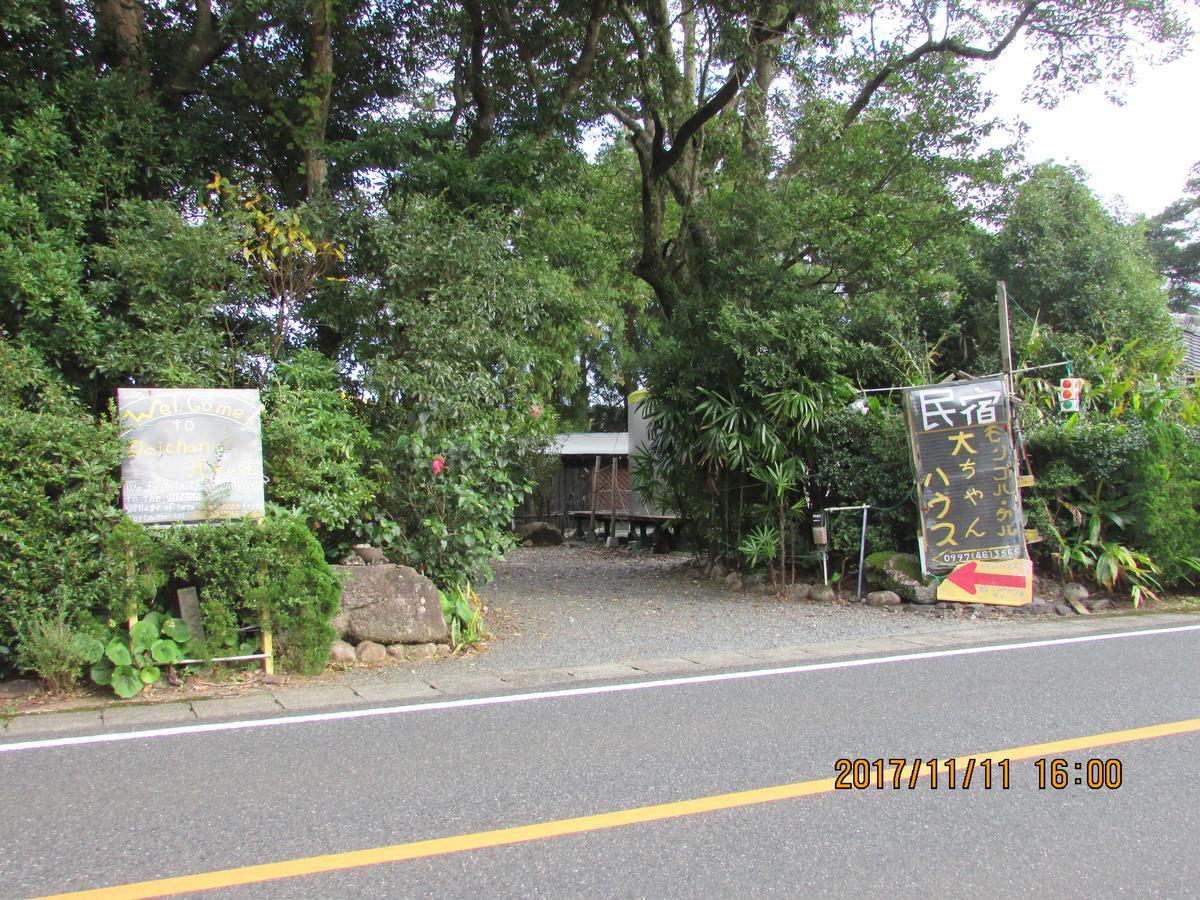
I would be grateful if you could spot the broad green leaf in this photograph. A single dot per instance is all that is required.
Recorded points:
(143, 634)
(126, 681)
(177, 629)
(118, 651)
(166, 652)
(150, 674)
(101, 674)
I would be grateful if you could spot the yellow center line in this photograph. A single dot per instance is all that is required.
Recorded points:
(333, 862)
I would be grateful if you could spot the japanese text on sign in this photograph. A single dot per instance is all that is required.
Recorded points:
(961, 439)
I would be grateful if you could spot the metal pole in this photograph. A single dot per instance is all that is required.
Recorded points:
(612, 502)
(862, 553)
(592, 520)
(862, 546)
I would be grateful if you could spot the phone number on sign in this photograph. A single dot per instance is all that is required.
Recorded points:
(1002, 553)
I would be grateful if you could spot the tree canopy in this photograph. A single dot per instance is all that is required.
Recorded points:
(469, 209)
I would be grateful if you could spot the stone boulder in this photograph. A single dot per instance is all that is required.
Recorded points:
(341, 652)
(883, 598)
(540, 534)
(822, 593)
(371, 556)
(389, 604)
(799, 591)
(901, 573)
(370, 652)
(1075, 591)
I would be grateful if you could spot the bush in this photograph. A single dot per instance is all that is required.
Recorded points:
(246, 570)
(58, 491)
(52, 648)
(447, 499)
(865, 459)
(1132, 484)
(313, 445)
(1166, 515)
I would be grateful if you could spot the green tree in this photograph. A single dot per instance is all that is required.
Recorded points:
(1174, 239)
(1074, 267)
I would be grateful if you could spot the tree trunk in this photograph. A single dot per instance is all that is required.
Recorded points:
(120, 33)
(321, 78)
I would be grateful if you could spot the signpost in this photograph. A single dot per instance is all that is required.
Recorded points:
(960, 434)
(191, 455)
(1008, 583)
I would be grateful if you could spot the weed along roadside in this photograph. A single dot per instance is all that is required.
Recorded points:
(568, 615)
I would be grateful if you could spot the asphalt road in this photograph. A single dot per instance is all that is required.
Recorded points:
(94, 815)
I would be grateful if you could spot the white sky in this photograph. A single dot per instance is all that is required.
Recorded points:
(1137, 156)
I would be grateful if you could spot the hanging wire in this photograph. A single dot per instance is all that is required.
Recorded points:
(1046, 333)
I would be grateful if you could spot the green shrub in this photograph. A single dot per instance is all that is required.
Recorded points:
(313, 446)
(1166, 514)
(448, 490)
(131, 660)
(246, 570)
(58, 492)
(1108, 490)
(865, 459)
(51, 647)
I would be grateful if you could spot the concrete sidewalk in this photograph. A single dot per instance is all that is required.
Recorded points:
(396, 686)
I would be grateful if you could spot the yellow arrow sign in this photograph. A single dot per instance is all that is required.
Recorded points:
(1004, 583)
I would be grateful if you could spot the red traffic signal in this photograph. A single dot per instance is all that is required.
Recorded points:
(1070, 391)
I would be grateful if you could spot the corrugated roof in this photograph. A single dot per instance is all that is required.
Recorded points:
(1189, 323)
(590, 443)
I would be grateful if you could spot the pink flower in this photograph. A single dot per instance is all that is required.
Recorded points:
(536, 409)
(439, 463)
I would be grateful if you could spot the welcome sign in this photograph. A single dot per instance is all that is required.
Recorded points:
(192, 455)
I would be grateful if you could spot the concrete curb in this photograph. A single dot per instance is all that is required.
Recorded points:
(275, 700)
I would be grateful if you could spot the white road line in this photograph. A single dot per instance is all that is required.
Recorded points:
(117, 737)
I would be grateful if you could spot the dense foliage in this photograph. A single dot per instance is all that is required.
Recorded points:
(57, 494)
(429, 233)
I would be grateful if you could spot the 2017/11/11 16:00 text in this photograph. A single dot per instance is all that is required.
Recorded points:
(987, 773)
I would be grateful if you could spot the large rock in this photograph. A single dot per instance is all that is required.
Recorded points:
(822, 593)
(541, 534)
(901, 573)
(799, 591)
(883, 598)
(341, 652)
(371, 556)
(389, 604)
(1073, 590)
(370, 652)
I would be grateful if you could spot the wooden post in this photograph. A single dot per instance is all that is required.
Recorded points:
(595, 478)
(1005, 341)
(1010, 380)
(268, 641)
(268, 644)
(130, 576)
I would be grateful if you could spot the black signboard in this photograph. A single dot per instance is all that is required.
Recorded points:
(962, 446)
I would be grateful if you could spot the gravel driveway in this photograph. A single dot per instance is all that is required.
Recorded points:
(576, 605)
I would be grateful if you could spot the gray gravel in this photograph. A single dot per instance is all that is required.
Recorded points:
(579, 605)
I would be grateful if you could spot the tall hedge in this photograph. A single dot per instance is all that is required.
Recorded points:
(58, 493)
